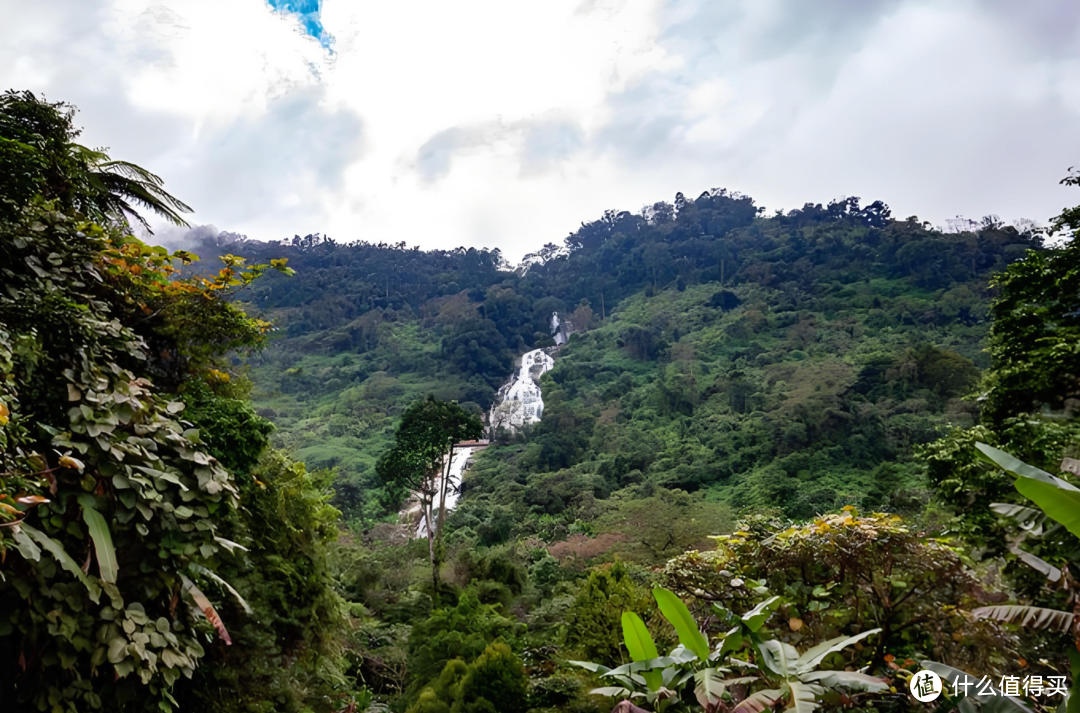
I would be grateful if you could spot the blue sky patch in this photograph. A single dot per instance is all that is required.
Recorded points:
(308, 12)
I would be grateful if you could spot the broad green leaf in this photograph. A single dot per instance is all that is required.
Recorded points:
(708, 687)
(1059, 499)
(846, 679)
(64, 559)
(99, 533)
(641, 647)
(117, 651)
(1028, 617)
(756, 617)
(26, 546)
(804, 696)
(779, 657)
(611, 692)
(638, 640)
(1010, 463)
(1059, 503)
(757, 702)
(654, 680)
(676, 612)
(590, 666)
(670, 674)
(733, 641)
(812, 657)
(1072, 698)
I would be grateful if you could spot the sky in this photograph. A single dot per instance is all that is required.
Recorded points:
(506, 123)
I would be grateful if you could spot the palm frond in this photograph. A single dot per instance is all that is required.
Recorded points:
(120, 184)
(1033, 617)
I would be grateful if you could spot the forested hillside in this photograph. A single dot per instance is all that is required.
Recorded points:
(791, 360)
(784, 463)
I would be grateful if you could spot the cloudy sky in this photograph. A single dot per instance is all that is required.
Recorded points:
(505, 123)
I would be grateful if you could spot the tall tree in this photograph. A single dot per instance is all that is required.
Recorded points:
(114, 510)
(1035, 339)
(420, 459)
(39, 156)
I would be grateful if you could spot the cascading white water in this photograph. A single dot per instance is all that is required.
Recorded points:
(461, 458)
(520, 402)
(517, 403)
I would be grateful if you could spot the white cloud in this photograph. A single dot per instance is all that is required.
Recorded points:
(483, 122)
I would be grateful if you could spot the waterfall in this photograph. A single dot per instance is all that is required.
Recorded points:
(519, 401)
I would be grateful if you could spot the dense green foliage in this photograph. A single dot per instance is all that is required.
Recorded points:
(494, 683)
(992, 474)
(1035, 341)
(834, 570)
(736, 389)
(119, 519)
(776, 360)
(459, 632)
(39, 157)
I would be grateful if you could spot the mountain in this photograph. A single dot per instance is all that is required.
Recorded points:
(708, 426)
(790, 361)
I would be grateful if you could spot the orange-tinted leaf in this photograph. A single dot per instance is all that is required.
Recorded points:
(74, 463)
(31, 500)
(207, 609)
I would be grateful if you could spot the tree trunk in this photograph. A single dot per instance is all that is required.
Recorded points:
(442, 490)
(425, 508)
(436, 561)
(431, 553)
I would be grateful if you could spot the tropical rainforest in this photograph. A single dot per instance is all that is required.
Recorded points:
(786, 460)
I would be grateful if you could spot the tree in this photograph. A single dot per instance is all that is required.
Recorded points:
(39, 155)
(494, 683)
(841, 570)
(668, 523)
(1057, 500)
(117, 521)
(459, 632)
(96, 462)
(592, 620)
(423, 446)
(1035, 337)
(1032, 392)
